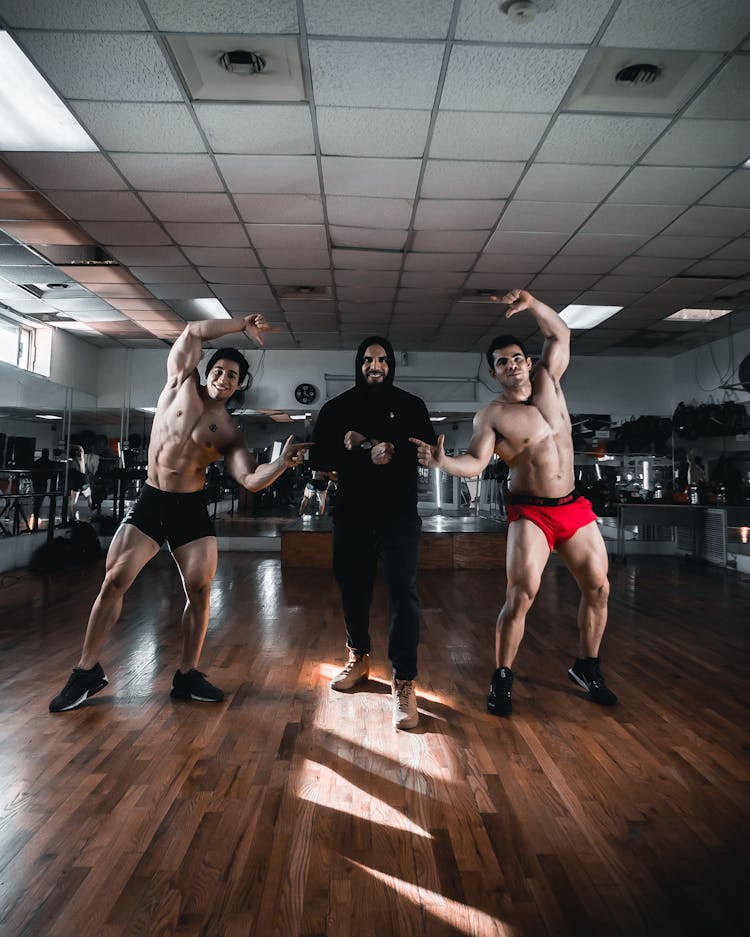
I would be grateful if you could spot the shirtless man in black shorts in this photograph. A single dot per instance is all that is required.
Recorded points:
(528, 426)
(192, 428)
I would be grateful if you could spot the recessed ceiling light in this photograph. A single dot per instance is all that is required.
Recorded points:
(586, 317)
(436, 419)
(47, 416)
(147, 409)
(697, 315)
(32, 117)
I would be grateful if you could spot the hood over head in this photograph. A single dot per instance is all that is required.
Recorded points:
(359, 360)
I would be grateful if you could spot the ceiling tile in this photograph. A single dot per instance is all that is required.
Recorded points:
(455, 214)
(431, 279)
(74, 171)
(650, 266)
(720, 268)
(251, 275)
(181, 291)
(348, 259)
(231, 16)
(82, 15)
(665, 185)
(687, 247)
(103, 66)
(733, 192)
(737, 250)
(460, 241)
(448, 178)
(559, 182)
(523, 242)
(299, 277)
(265, 174)
(573, 263)
(707, 220)
(395, 178)
(384, 278)
(366, 294)
(280, 209)
(631, 284)
(479, 135)
(533, 79)
(429, 261)
(354, 211)
(206, 234)
(498, 280)
(358, 309)
(147, 256)
(726, 95)
(126, 232)
(564, 217)
(565, 21)
(520, 263)
(140, 128)
(364, 131)
(222, 256)
(211, 207)
(603, 244)
(375, 74)
(702, 143)
(233, 295)
(372, 238)
(314, 259)
(599, 138)
(281, 129)
(292, 236)
(100, 206)
(418, 19)
(558, 281)
(165, 275)
(631, 219)
(647, 25)
(165, 172)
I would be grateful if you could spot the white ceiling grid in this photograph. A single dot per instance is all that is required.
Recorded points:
(444, 150)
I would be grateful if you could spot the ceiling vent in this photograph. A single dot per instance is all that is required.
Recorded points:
(75, 255)
(43, 290)
(481, 296)
(635, 74)
(625, 81)
(308, 293)
(239, 68)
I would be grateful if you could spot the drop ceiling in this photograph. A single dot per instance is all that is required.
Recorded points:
(434, 152)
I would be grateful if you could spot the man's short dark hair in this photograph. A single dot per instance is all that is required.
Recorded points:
(233, 355)
(502, 341)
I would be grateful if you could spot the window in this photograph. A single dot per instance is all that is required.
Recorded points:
(16, 342)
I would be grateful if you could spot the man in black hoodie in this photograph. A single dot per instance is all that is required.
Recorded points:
(363, 434)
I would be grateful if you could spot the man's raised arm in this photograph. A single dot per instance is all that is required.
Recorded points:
(556, 349)
(473, 462)
(187, 350)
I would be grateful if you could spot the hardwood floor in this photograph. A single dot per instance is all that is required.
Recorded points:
(291, 809)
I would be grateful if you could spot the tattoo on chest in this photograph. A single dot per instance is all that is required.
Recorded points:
(212, 427)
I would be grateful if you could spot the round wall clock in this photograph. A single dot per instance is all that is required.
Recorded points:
(305, 393)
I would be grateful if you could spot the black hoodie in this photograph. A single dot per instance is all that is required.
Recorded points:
(368, 492)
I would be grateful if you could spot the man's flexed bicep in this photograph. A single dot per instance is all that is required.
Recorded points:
(184, 356)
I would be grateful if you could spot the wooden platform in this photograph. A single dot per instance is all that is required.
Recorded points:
(291, 810)
(447, 543)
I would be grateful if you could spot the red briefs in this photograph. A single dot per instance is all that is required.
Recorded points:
(557, 518)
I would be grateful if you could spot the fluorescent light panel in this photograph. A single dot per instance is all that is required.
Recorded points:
(32, 117)
(697, 315)
(586, 317)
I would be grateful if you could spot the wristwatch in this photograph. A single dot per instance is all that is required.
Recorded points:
(366, 444)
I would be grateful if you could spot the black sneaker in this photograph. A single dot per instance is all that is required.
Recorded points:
(193, 685)
(586, 673)
(499, 700)
(81, 684)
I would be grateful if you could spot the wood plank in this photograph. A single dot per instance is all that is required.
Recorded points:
(296, 811)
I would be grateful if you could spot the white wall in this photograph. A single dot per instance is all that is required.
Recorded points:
(699, 374)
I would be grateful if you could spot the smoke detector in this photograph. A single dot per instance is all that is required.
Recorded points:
(522, 11)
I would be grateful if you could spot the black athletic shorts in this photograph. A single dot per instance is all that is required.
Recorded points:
(169, 515)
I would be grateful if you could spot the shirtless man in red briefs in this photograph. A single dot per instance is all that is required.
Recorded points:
(528, 427)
